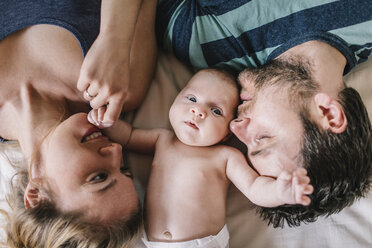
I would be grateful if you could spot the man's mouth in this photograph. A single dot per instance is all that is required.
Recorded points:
(192, 125)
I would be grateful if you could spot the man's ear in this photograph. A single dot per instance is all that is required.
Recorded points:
(331, 113)
(32, 197)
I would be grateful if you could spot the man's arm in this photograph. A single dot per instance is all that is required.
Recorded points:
(288, 188)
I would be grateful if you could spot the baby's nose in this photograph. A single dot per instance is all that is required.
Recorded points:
(198, 112)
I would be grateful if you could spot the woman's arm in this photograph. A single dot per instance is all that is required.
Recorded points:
(119, 66)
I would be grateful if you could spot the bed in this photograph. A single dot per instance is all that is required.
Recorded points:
(352, 227)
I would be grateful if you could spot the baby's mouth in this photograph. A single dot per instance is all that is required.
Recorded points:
(192, 125)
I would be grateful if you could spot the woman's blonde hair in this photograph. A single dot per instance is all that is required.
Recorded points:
(45, 226)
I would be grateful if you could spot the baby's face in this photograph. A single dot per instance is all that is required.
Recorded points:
(202, 111)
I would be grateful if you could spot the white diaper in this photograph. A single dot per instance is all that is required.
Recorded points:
(221, 240)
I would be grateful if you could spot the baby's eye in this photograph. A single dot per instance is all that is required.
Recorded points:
(191, 98)
(216, 111)
(98, 178)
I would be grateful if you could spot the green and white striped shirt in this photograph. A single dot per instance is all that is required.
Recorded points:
(235, 34)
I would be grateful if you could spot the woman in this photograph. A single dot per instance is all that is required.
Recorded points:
(77, 192)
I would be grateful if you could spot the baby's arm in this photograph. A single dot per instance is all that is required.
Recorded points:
(288, 188)
(137, 140)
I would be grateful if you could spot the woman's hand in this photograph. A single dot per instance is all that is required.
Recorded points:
(104, 76)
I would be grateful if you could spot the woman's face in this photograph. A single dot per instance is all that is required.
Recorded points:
(85, 172)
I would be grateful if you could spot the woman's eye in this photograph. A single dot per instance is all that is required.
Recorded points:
(216, 111)
(125, 171)
(191, 98)
(98, 178)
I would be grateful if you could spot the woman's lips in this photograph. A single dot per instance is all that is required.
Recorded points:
(92, 133)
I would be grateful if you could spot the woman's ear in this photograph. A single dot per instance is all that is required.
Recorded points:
(32, 197)
(331, 114)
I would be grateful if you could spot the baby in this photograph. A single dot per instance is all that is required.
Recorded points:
(191, 171)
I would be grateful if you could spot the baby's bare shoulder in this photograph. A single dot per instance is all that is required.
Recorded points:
(228, 150)
(225, 154)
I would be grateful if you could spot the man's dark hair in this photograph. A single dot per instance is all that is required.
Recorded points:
(339, 166)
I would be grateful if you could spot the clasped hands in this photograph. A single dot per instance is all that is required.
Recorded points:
(104, 79)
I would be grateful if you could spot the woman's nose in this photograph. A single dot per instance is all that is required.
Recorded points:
(114, 149)
(198, 112)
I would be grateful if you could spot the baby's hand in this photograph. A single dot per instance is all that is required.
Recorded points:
(294, 188)
(95, 116)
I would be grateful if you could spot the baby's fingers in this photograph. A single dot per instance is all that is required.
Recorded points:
(302, 179)
(300, 172)
(301, 192)
(305, 200)
(309, 189)
(93, 117)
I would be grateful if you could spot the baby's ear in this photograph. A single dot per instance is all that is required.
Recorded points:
(32, 197)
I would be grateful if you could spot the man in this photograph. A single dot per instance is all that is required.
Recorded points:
(296, 110)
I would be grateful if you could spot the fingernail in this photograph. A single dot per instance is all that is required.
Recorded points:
(106, 124)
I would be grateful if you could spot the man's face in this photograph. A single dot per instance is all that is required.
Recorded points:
(269, 126)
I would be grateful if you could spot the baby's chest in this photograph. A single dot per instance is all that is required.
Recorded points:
(187, 161)
(187, 176)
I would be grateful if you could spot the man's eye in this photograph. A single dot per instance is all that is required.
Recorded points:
(98, 178)
(262, 137)
(192, 98)
(216, 111)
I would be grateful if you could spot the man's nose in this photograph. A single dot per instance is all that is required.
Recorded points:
(197, 111)
(239, 124)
